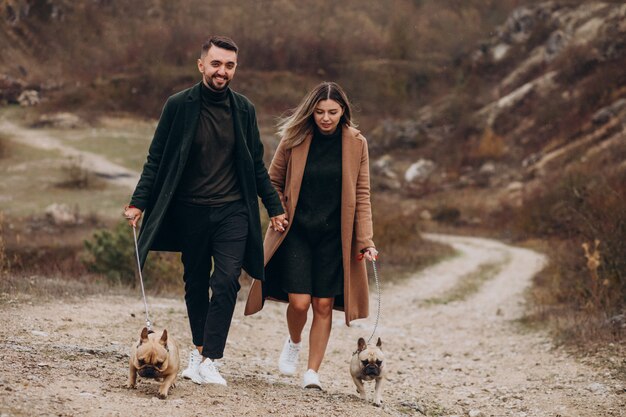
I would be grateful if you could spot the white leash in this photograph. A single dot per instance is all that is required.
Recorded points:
(378, 292)
(143, 292)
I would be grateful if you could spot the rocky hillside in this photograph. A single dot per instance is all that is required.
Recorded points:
(543, 97)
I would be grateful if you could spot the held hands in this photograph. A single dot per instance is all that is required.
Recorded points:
(279, 223)
(132, 214)
(370, 254)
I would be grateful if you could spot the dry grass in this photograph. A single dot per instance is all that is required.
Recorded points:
(30, 179)
(468, 284)
(582, 293)
(5, 264)
(4, 147)
(419, 42)
(402, 249)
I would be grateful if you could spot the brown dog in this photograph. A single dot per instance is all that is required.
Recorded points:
(154, 357)
(367, 364)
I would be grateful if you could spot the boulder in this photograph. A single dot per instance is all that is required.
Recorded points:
(426, 215)
(383, 176)
(383, 166)
(61, 120)
(603, 115)
(29, 98)
(61, 215)
(419, 171)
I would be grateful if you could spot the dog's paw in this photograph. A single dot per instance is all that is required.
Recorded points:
(162, 396)
(129, 386)
(378, 403)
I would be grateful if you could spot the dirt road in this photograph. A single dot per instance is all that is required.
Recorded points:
(98, 164)
(453, 349)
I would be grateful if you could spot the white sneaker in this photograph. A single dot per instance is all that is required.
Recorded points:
(208, 373)
(288, 360)
(311, 379)
(195, 359)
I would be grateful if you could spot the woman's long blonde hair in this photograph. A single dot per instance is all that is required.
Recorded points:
(293, 129)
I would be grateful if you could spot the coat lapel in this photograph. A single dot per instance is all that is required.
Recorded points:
(350, 165)
(192, 113)
(295, 168)
(243, 158)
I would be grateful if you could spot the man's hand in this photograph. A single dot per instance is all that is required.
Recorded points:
(279, 223)
(132, 214)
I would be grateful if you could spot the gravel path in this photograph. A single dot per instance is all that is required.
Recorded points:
(98, 164)
(467, 356)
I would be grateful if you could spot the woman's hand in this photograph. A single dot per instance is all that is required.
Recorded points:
(370, 254)
(279, 223)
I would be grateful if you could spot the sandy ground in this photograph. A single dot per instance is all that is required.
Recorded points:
(466, 357)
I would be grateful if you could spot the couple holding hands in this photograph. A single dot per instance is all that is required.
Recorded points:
(198, 195)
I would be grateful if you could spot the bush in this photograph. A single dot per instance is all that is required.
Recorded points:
(112, 254)
(490, 146)
(579, 210)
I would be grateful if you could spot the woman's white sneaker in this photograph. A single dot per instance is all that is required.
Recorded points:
(288, 361)
(311, 379)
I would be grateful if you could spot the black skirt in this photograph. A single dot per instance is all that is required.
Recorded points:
(308, 262)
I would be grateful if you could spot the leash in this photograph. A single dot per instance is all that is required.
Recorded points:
(378, 292)
(143, 292)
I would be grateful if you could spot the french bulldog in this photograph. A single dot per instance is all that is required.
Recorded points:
(367, 364)
(154, 357)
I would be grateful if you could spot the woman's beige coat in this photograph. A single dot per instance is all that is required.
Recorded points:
(286, 173)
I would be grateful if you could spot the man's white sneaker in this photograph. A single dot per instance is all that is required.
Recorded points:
(288, 360)
(208, 373)
(311, 379)
(195, 359)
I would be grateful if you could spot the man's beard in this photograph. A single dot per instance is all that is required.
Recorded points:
(209, 81)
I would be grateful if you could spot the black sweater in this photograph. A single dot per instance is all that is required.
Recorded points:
(319, 202)
(209, 177)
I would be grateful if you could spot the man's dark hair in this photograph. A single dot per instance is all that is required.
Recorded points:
(219, 41)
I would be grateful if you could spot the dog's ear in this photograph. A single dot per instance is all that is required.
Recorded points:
(379, 343)
(144, 335)
(361, 344)
(163, 340)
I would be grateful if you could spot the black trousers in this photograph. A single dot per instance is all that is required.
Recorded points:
(219, 233)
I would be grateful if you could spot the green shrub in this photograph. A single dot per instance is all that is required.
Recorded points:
(112, 254)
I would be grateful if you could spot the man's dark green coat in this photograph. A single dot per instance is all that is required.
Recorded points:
(166, 160)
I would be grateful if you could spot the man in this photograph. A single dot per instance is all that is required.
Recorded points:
(199, 190)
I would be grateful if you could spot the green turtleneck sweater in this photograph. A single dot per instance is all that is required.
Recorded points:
(209, 177)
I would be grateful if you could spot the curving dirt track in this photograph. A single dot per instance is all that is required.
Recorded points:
(450, 352)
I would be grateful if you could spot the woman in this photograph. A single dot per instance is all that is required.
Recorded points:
(321, 172)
